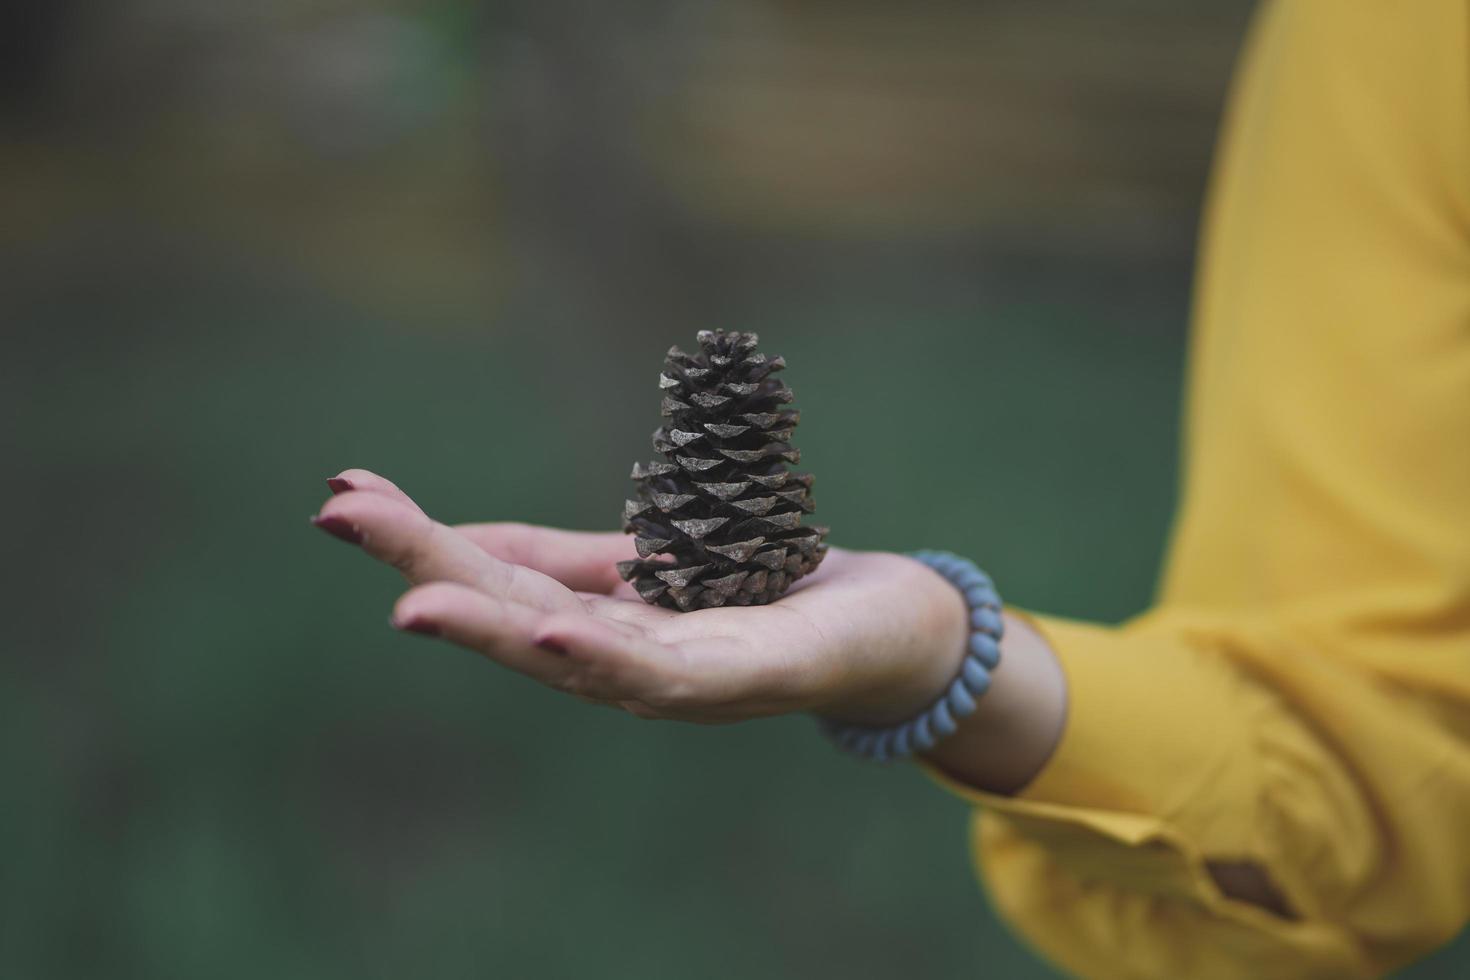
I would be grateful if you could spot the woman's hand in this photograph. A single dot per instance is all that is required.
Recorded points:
(868, 637)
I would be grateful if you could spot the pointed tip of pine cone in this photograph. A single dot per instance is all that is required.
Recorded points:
(727, 341)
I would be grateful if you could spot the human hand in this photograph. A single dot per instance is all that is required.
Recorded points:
(869, 637)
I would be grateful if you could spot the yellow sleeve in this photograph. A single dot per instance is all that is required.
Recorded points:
(1299, 697)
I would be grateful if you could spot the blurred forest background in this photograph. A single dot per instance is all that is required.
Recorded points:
(244, 246)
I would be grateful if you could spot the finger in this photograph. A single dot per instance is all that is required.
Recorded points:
(706, 679)
(497, 629)
(738, 663)
(583, 561)
(616, 661)
(515, 637)
(356, 479)
(398, 533)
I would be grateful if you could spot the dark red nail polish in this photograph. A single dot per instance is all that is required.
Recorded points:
(416, 624)
(338, 485)
(551, 646)
(338, 528)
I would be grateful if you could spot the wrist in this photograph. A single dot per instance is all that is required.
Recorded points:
(898, 670)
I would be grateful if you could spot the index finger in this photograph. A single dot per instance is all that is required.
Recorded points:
(423, 550)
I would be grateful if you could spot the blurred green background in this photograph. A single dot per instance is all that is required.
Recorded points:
(245, 246)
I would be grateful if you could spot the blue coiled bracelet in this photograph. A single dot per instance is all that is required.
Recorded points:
(921, 733)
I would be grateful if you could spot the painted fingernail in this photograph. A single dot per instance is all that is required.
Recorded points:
(338, 484)
(550, 645)
(338, 528)
(415, 624)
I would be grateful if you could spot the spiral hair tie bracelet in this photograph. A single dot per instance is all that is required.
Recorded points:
(921, 733)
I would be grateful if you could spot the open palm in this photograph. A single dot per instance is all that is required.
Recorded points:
(867, 637)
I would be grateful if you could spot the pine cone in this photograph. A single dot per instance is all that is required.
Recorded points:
(719, 522)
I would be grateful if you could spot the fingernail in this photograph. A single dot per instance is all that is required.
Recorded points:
(339, 485)
(338, 528)
(415, 624)
(550, 645)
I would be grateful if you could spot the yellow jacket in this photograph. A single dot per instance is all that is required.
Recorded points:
(1299, 697)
